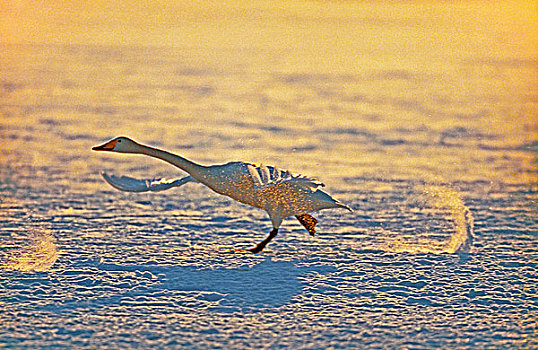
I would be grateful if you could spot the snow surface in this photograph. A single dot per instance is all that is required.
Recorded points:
(436, 154)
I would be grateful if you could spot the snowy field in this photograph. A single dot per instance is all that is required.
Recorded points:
(420, 116)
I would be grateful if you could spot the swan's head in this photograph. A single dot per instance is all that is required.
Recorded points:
(120, 144)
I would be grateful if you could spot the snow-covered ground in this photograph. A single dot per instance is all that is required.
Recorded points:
(421, 118)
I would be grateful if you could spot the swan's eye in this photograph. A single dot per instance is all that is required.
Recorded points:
(119, 140)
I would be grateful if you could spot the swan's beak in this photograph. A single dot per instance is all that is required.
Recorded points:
(109, 146)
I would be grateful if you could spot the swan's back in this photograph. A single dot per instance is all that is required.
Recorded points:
(269, 188)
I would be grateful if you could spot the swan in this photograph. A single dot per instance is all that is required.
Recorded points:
(279, 192)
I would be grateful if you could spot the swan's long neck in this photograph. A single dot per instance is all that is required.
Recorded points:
(196, 170)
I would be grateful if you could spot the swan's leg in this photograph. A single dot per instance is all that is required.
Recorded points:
(309, 222)
(259, 247)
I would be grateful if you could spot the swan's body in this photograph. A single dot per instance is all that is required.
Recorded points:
(280, 193)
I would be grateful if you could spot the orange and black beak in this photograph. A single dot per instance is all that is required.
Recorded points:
(109, 146)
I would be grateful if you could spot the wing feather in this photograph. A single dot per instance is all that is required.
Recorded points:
(267, 176)
(130, 184)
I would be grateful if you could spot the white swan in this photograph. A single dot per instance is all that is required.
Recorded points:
(278, 192)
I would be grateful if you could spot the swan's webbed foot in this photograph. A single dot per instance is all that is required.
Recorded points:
(260, 246)
(309, 222)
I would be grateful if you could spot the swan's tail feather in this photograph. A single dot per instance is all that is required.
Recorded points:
(129, 184)
(344, 206)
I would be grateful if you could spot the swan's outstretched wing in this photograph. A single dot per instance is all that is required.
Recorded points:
(267, 176)
(129, 184)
